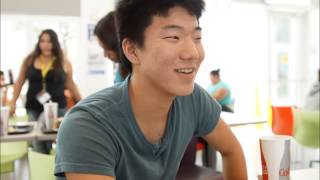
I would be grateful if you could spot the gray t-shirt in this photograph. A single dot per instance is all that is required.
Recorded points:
(101, 136)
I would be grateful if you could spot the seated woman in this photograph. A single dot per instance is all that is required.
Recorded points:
(220, 91)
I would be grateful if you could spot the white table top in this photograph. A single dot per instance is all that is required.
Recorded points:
(21, 137)
(302, 174)
(35, 134)
(236, 119)
(305, 174)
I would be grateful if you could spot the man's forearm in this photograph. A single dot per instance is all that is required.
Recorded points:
(234, 166)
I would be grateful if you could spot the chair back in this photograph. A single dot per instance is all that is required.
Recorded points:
(6, 167)
(11, 151)
(41, 166)
(189, 156)
(306, 128)
(17, 119)
(282, 120)
(188, 170)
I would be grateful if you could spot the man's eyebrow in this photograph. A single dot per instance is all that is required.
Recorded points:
(180, 28)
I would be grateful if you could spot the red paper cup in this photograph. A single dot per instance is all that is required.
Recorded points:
(275, 157)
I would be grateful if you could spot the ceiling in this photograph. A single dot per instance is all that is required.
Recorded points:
(41, 7)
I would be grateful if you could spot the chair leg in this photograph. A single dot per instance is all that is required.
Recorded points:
(313, 161)
(209, 157)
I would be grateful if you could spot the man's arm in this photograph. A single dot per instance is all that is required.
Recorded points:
(222, 139)
(78, 176)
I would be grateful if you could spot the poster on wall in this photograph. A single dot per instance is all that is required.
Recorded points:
(96, 61)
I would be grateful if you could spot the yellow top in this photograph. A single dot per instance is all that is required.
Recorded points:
(46, 67)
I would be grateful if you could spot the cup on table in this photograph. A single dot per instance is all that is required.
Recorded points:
(5, 113)
(50, 114)
(275, 157)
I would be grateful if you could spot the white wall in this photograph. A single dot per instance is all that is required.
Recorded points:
(91, 12)
(235, 40)
(22, 21)
(235, 37)
(19, 34)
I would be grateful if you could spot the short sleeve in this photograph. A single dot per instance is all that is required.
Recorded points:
(207, 111)
(84, 145)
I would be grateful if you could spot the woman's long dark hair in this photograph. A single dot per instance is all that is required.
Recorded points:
(56, 49)
(105, 30)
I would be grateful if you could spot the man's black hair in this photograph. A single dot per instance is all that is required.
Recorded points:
(134, 16)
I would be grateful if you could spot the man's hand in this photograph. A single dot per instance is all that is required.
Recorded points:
(12, 109)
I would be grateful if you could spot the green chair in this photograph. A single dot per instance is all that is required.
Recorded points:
(6, 167)
(307, 128)
(41, 166)
(10, 152)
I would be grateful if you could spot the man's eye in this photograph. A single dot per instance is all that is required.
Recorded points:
(172, 37)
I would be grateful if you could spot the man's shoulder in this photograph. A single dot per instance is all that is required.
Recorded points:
(197, 88)
(102, 107)
(102, 101)
(108, 95)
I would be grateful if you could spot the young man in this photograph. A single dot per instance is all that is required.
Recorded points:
(139, 129)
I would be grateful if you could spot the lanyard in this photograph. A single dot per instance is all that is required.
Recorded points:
(44, 71)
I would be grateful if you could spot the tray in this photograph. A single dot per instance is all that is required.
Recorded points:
(18, 129)
(49, 131)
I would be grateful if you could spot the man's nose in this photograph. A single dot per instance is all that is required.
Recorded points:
(189, 50)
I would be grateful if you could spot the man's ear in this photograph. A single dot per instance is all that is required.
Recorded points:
(129, 49)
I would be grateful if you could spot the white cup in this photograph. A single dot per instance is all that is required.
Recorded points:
(275, 157)
(50, 114)
(4, 120)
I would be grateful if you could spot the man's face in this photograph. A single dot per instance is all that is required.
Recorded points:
(172, 53)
